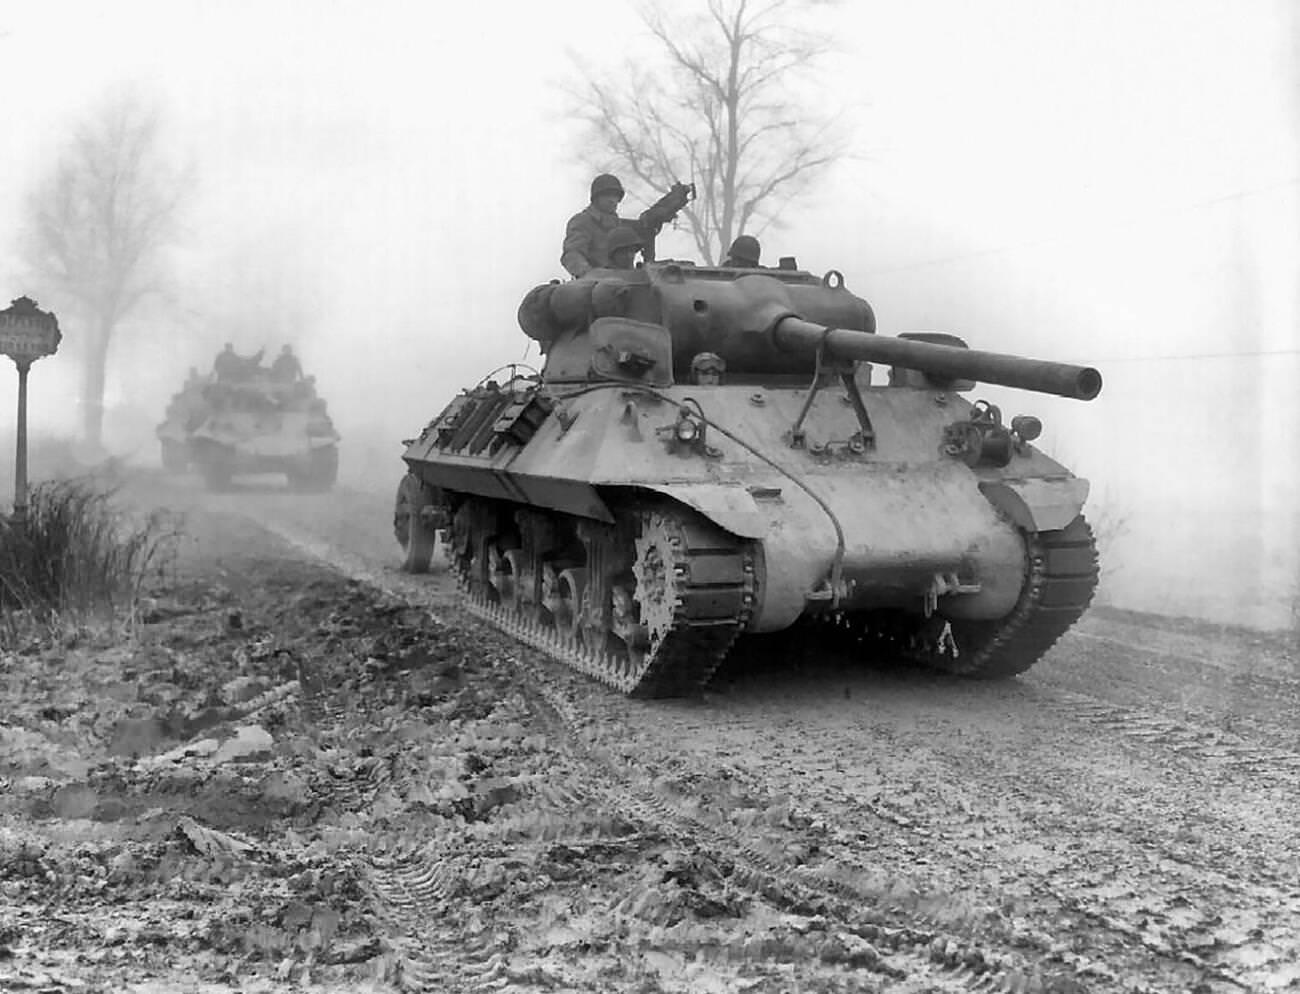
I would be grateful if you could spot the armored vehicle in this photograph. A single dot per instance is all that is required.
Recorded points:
(712, 452)
(224, 428)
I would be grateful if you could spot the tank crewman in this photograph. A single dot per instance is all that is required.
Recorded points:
(586, 237)
(743, 254)
(304, 390)
(227, 365)
(286, 368)
(624, 244)
(707, 369)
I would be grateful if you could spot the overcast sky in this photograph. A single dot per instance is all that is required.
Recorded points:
(1113, 182)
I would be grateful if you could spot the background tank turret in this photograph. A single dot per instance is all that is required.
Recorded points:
(634, 516)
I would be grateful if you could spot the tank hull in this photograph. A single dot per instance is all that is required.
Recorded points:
(900, 520)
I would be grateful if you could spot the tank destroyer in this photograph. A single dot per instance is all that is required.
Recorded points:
(710, 452)
(252, 423)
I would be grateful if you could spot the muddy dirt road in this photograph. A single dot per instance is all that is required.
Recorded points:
(358, 784)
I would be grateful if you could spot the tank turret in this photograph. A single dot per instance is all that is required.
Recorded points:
(774, 322)
(701, 457)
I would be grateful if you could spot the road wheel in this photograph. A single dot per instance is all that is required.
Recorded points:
(413, 533)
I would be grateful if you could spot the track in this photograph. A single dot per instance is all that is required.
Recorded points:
(694, 591)
(1061, 578)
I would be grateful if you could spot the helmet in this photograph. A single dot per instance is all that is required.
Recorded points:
(624, 236)
(709, 362)
(745, 249)
(605, 183)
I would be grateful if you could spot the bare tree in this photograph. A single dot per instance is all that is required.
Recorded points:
(98, 228)
(722, 110)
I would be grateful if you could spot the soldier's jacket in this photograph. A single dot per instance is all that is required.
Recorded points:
(586, 238)
(227, 366)
(286, 368)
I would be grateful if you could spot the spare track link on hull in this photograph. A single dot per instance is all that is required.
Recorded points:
(1058, 589)
(704, 594)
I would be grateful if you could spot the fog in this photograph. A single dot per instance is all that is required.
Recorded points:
(380, 183)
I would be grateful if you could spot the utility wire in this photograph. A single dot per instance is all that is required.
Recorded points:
(1266, 353)
(1065, 239)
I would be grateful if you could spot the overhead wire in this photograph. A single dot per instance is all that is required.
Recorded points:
(1199, 205)
(1063, 239)
(1266, 353)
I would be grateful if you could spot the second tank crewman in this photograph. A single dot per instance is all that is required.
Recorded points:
(743, 254)
(624, 244)
(286, 368)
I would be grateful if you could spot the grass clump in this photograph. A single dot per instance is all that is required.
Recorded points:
(78, 555)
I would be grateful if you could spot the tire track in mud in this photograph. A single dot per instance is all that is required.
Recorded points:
(411, 894)
(972, 827)
(1263, 776)
(1145, 729)
(970, 962)
(1185, 731)
(1191, 742)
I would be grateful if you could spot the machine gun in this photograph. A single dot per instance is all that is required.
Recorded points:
(662, 212)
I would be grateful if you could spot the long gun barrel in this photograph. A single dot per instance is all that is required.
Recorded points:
(756, 323)
(793, 334)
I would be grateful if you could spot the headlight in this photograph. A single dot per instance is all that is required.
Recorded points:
(688, 430)
(1026, 426)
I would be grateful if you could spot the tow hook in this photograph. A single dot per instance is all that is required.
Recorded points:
(942, 584)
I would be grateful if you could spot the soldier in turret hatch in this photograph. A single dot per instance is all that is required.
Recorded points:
(744, 253)
(227, 365)
(707, 369)
(586, 237)
(286, 368)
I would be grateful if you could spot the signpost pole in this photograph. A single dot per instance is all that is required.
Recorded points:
(26, 334)
(20, 461)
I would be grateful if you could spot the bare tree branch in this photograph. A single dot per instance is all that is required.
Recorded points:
(98, 228)
(718, 110)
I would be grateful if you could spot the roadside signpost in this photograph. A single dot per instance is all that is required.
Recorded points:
(26, 334)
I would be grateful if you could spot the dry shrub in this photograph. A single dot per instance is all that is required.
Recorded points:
(79, 555)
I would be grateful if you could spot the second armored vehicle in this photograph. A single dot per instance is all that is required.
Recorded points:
(251, 424)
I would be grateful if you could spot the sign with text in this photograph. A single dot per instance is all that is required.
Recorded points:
(27, 332)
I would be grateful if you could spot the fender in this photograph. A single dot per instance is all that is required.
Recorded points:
(729, 506)
(1038, 505)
